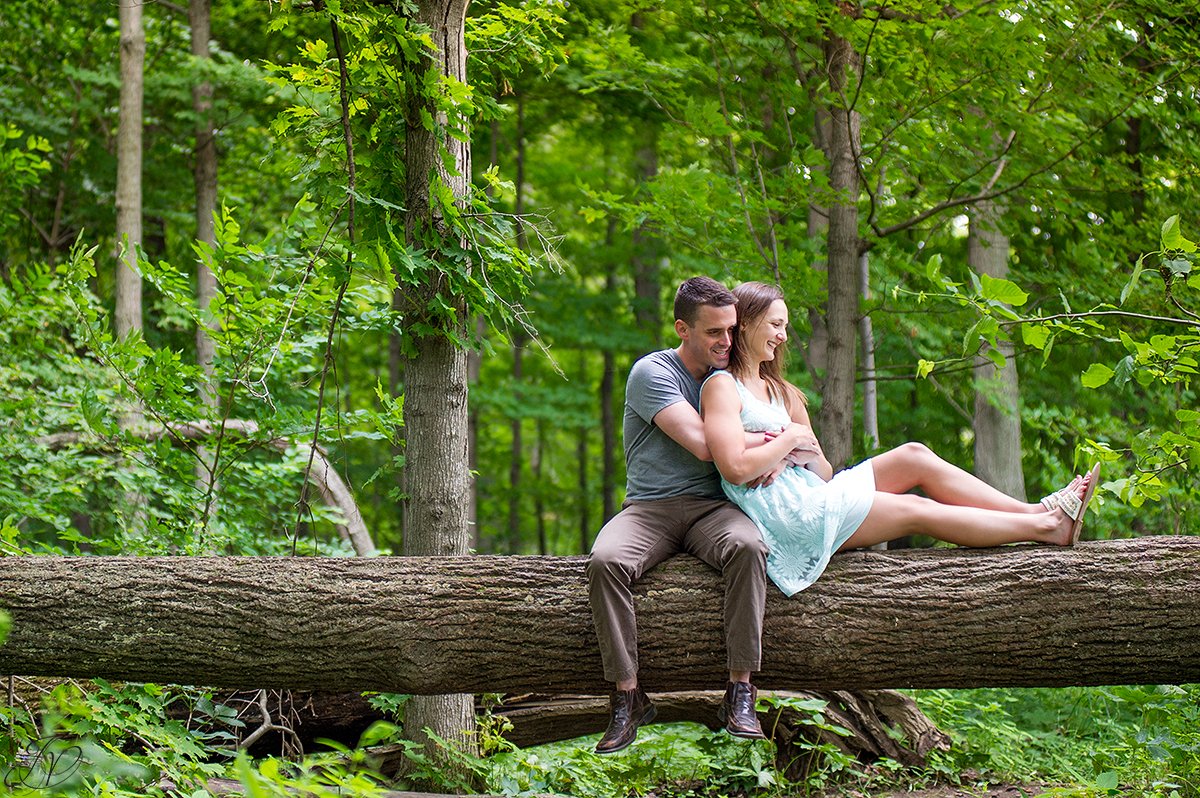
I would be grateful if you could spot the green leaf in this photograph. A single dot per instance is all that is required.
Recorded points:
(1133, 278)
(998, 289)
(924, 368)
(1107, 780)
(1163, 345)
(1035, 335)
(933, 267)
(1178, 266)
(1096, 375)
(1172, 237)
(1125, 369)
(971, 339)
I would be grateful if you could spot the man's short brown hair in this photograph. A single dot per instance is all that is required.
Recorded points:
(698, 291)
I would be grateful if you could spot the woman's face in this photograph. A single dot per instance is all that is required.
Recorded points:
(768, 333)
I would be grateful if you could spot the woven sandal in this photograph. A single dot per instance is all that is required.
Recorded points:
(1073, 506)
(1063, 497)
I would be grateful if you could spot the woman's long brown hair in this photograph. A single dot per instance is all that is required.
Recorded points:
(753, 302)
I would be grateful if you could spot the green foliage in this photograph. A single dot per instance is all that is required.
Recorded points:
(100, 737)
(1160, 356)
(1144, 739)
(684, 759)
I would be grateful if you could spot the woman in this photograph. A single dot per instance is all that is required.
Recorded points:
(807, 512)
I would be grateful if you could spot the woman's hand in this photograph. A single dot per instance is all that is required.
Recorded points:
(803, 439)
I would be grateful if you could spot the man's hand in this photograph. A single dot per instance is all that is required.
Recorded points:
(768, 477)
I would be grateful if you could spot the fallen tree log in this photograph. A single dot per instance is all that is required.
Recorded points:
(1115, 612)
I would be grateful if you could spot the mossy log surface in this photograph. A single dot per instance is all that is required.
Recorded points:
(1116, 612)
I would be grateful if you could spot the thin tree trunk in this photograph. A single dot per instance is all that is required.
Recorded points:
(517, 448)
(205, 180)
(474, 363)
(1111, 612)
(128, 317)
(841, 316)
(539, 503)
(608, 422)
(867, 334)
(585, 488)
(816, 350)
(997, 421)
(435, 409)
(516, 455)
(646, 254)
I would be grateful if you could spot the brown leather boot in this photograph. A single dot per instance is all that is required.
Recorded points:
(628, 709)
(737, 711)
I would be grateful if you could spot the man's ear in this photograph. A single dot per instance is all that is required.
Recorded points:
(682, 329)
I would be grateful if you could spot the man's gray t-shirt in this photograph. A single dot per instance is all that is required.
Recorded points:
(656, 466)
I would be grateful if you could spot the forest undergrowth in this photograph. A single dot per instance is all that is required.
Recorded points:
(100, 739)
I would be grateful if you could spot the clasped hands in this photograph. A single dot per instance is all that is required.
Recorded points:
(806, 449)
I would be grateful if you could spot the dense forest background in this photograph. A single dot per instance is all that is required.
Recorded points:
(228, 280)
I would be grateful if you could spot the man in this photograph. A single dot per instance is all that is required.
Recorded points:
(674, 503)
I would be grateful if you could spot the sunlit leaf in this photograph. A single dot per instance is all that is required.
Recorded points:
(998, 289)
(1097, 374)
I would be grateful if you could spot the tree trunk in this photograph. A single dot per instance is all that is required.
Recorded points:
(841, 315)
(435, 411)
(517, 448)
(582, 436)
(646, 253)
(539, 501)
(205, 181)
(435, 407)
(816, 348)
(608, 421)
(866, 333)
(1114, 612)
(128, 317)
(474, 363)
(997, 391)
(516, 423)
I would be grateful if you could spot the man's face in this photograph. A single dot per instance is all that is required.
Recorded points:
(706, 343)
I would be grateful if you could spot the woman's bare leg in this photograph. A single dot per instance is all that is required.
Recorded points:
(893, 516)
(915, 465)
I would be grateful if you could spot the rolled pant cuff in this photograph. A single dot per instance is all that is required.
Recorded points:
(620, 676)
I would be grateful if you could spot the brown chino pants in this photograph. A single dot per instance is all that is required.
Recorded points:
(644, 534)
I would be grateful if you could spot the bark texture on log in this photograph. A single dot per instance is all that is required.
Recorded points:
(1117, 612)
